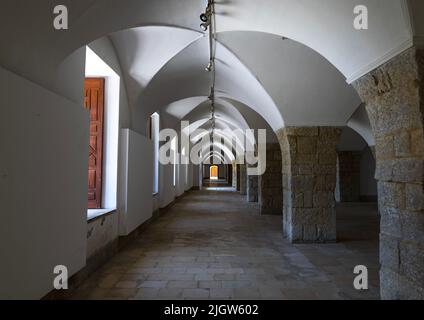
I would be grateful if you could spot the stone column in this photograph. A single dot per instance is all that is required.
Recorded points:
(252, 188)
(394, 97)
(309, 182)
(270, 183)
(349, 176)
(234, 175)
(243, 180)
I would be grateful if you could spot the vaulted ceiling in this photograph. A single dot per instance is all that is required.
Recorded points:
(279, 62)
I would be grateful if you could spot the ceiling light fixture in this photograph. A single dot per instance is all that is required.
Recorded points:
(209, 67)
(206, 16)
(204, 26)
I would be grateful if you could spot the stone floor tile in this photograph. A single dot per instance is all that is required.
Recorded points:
(196, 294)
(182, 284)
(233, 251)
(123, 294)
(153, 284)
(222, 293)
(210, 284)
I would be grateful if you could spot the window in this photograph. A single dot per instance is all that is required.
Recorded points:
(154, 129)
(174, 150)
(102, 97)
(94, 102)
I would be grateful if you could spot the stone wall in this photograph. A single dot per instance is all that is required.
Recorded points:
(394, 100)
(271, 188)
(309, 182)
(349, 176)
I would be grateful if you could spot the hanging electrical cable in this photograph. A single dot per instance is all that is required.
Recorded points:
(208, 23)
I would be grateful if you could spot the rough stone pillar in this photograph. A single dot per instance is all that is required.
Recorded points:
(394, 97)
(234, 175)
(252, 188)
(243, 179)
(270, 183)
(309, 182)
(349, 176)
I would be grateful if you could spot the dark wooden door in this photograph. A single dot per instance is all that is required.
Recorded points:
(94, 101)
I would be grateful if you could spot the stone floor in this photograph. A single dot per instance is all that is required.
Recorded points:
(213, 245)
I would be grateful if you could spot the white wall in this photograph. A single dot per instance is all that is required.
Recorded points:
(136, 206)
(43, 186)
(181, 184)
(196, 176)
(167, 189)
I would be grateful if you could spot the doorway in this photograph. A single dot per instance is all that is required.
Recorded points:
(214, 173)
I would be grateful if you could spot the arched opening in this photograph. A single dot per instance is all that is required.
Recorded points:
(358, 217)
(214, 175)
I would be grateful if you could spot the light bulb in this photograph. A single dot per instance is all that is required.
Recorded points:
(204, 26)
(204, 17)
(209, 67)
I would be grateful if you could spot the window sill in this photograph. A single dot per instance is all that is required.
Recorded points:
(96, 213)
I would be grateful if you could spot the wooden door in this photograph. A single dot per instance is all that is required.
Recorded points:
(94, 101)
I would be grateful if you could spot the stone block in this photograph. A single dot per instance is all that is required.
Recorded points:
(302, 183)
(408, 170)
(302, 131)
(390, 225)
(306, 159)
(384, 170)
(412, 226)
(328, 158)
(402, 144)
(308, 199)
(412, 258)
(391, 195)
(307, 145)
(389, 252)
(324, 199)
(302, 216)
(385, 147)
(389, 284)
(414, 194)
(326, 233)
(417, 142)
(309, 233)
(330, 134)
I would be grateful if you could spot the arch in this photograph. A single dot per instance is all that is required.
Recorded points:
(361, 124)
(218, 156)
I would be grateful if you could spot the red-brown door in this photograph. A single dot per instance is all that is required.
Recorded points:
(94, 101)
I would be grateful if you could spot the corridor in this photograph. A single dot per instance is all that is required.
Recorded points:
(213, 245)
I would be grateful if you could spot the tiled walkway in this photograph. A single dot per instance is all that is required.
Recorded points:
(214, 245)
